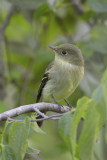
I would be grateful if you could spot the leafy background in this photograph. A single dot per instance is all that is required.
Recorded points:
(24, 55)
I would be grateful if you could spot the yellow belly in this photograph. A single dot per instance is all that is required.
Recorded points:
(59, 90)
(62, 82)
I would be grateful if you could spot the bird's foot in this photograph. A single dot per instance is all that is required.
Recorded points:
(68, 104)
(57, 103)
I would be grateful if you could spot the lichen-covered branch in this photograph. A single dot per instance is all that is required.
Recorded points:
(31, 108)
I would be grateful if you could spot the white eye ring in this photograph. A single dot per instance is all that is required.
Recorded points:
(63, 52)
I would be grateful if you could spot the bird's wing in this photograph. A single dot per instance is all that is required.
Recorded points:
(49, 66)
(43, 82)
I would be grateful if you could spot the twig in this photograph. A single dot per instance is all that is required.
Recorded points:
(53, 117)
(40, 113)
(27, 74)
(14, 120)
(30, 108)
(7, 19)
(2, 32)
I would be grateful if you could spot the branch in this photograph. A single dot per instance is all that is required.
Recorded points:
(43, 107)
(53, 117)
(7, 19)
(2, 32)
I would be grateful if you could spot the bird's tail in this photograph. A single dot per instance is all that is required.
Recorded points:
(40, 123)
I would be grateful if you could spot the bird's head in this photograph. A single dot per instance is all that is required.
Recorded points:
(68, 53)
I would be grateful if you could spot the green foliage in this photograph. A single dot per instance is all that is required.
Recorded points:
(104, 86)
(83, 147)
(88, 135)
(7, 153)
(14, 140)
(99, 38)
(26, 4)
(98, 5)
(65, 133)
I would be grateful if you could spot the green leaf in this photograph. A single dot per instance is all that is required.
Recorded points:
(3, 107)
(18, 137)
(64, 129)
(4, 140)
(21, 60)
(88, 135)
(104, 87)
(42, 10)
(50, 36)
(68, 126)
(98, 5)
(104, 79)
(36, 128)
(100, 107)
(99, 32)
(32, 151)
(86, 48)
(7, 153)
(24, 29)
(97, 41)
(79, 113)
(98, 38)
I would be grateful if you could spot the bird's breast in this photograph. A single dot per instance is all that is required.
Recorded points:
(63, 81)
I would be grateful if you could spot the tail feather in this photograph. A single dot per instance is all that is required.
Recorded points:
(40, 122)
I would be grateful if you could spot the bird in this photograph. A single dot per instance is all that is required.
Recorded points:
(63, 74)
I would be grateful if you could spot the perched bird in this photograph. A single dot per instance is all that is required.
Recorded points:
(63, 75)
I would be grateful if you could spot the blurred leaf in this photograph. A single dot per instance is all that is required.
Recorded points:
(21, 60)
(26, 4)
(3, 107)
(64, 129)
(21, 48)
(42, 10)
(32, 151)
(82, 104)
(88, 135)
(7, 153)
(22, 116)
(87, 51)
(100, 107)
(18, 135)
(4, 140)
(99, 32)
(88, 15)
(97, 41)
(50, 36)
(15, 74)
(18, 23)
(98, 5)
(36, 128)
(104, 79)
(59, 3)
(104, 86)
(98, 38)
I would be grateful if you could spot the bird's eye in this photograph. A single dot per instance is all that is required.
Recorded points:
(64, 52)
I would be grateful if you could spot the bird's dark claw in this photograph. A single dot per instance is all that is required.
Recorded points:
(57, 103)
(68, 103)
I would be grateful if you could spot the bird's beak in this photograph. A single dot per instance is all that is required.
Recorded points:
(53, 48)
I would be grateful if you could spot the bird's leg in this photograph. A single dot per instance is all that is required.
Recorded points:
(68, 103)
(56, 102)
